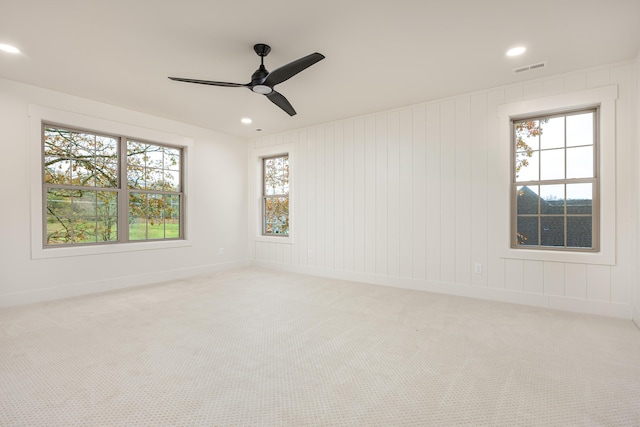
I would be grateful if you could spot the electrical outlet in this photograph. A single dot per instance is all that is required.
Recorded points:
(309, 253)
(477, 268)
(221, 251)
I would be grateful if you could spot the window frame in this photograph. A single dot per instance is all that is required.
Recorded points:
(74, 120)
(122, 189)
(594, 180)
(266, 196)
(256, 191)
(603, 97)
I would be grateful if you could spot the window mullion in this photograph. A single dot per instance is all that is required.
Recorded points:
(123, 192)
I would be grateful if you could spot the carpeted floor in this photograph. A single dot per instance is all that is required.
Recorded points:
(257, 347)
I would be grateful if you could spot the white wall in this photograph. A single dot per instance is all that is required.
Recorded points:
(409, 198)
(217, 192)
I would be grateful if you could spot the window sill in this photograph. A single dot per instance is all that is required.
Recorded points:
(60, 252)
(275, 239)
(601, 258)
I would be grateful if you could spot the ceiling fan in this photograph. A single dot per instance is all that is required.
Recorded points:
(262, 81)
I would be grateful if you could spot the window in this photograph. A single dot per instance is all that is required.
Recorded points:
(555, 181)
(502, 221)
(275, 196)
(102, 189)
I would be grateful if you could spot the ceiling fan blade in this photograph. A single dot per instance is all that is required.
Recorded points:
(208, 82)
(291, 69)
(281, 102)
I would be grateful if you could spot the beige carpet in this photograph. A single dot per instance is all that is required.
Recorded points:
(256, 347)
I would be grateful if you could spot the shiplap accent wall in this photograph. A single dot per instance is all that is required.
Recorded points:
(635, 280)
(407, 198)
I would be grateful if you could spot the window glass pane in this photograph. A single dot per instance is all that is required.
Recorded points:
(155, 229)
(155, 216)
(57, 171)
(285, 178)
(171, 181)
(83, 146)
(527, 135)
(106, 147)
(527, 167)
(527, 231)
(67, 215)
(106, 161)
(270, 177)
(552, 133)
(527, 199)
(552, 199)
(580, 198)
(172, 229)
(106, 173)
(135, 178)
(84, 208)
(580, 162)
(269, 190)
(154, 179)
(107, 203)
(107, 210)
(276, 176)
(84, 204)
(552, 231)
(552, 164)
(580, 129)
(58, 209)
(107, 229)
(153, 167)
(280, 176)
(579, 231)
(172, 207)
(276, 215)
(82, 153)
(57, 142)
(137, 216)
(58, 230)
(172, 216)
(154, 156)
(84, 230)
(81, 159)
(83, 172)
(137, 173)
(172, 158)
(136, 154)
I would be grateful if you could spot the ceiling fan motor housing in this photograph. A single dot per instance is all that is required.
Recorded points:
(259, 76)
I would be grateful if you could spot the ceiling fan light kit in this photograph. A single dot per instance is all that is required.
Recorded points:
(263, 81)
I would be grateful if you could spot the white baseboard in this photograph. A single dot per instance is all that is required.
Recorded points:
(600, 308)
(85, 288)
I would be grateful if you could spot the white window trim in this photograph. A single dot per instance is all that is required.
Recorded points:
(39, 114)
(256, 192)
(604, 97)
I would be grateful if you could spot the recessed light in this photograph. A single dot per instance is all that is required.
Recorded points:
(246, 120)
(9, 49)
(516, 51)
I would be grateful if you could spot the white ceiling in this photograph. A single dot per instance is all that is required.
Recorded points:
(379, 54)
